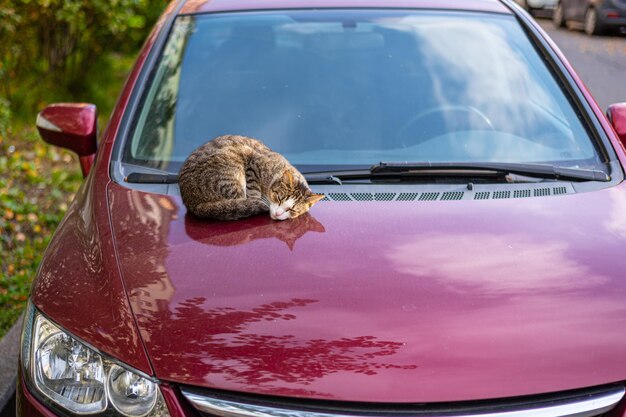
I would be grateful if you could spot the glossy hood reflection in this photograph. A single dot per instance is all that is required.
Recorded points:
(247, 230)
(487, 265)
(381, 301)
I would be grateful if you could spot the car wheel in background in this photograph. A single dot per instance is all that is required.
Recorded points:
(528, 8)
(558, 16)
(592, 24)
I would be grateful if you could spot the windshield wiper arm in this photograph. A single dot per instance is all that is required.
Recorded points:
(151, 178)
(456, 169)
(533, 170)
(383, 169)
(323, 179)
(336, 177)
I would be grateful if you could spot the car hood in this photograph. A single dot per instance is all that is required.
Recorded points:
(382, 301)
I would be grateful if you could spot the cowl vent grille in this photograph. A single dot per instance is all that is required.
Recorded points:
(339, 197)
(453, 195)
(494, 194)
(501, 194)
(363, 196)
(384, 196)
(407, 196)
(429, 196)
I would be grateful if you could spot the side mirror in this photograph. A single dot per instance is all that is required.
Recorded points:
(72, 126)
(617, 116)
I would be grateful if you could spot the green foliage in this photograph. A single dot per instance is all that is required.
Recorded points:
(50, 51)
(5, 116)
(37, 182)
(55, 48)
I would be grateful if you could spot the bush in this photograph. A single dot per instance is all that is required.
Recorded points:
(53, 46)
(36, 184)
(52, 50)
(5, 116)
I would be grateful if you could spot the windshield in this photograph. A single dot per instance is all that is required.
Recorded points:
(333, 89)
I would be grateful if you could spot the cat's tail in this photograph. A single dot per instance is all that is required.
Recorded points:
(229, 209)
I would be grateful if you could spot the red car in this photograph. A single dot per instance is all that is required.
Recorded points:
(468, 259)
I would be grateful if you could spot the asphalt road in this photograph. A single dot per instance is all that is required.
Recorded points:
(600, 61)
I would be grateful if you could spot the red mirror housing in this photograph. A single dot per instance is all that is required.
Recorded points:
(617, 116)
(72, 126)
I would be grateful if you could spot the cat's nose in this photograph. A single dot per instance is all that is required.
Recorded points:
(279, 212)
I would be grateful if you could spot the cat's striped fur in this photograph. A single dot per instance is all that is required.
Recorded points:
(232, 177)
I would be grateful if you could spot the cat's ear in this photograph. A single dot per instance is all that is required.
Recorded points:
(288, 178)
(314, 198)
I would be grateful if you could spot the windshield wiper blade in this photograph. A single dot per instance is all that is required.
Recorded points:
(531, 170)
(151, 178)
(457, 169)
(337, 177)
(488, 169)
(323, 179)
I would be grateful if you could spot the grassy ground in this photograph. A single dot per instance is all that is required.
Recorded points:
(37, 182)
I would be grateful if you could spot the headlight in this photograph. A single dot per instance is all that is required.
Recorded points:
(131, 394)
(75, 377)
(66, 371)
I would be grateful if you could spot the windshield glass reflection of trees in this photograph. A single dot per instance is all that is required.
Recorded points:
(352, 88)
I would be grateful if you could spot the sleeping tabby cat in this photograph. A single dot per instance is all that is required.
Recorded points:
(232, 177)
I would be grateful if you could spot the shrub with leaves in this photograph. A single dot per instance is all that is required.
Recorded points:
(5, 116)
(51, 51)
(37, 184)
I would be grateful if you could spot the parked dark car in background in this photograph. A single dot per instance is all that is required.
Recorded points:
(597, 16)
(468, 259)
(535, 6)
